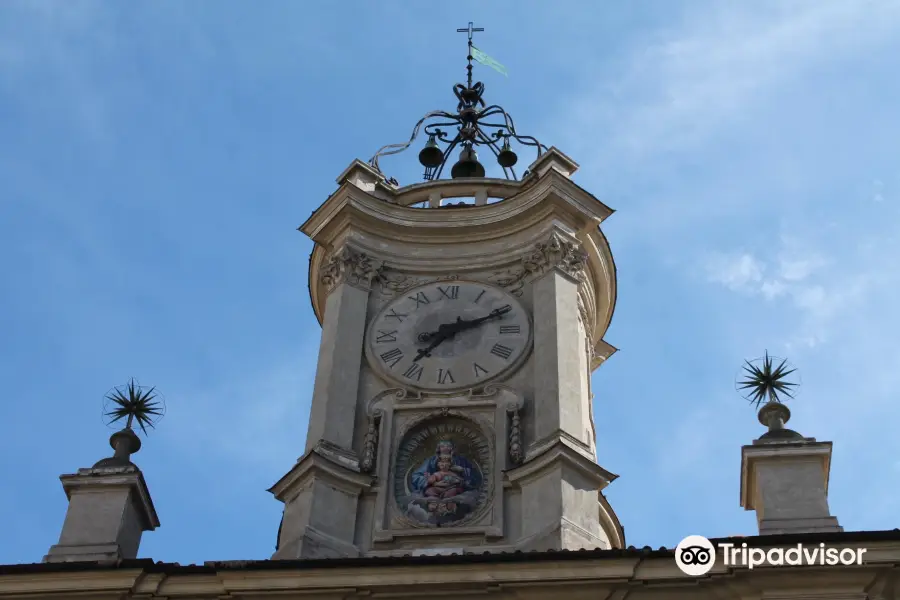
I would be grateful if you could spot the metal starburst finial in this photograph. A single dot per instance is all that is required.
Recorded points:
(766, 382)
(135, 404)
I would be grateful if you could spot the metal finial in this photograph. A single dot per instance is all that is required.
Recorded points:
(469, 30)
(134, 404)
(473, 128)
(765, 382)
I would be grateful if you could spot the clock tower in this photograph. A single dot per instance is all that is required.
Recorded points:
(461, 318)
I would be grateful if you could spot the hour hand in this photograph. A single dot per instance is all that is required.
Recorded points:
(438, 340)
(445, 330)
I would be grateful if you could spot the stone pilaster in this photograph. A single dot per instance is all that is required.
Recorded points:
(784, 478)
(560, 481)
(347, 276)
(109, 508)
(561, 396)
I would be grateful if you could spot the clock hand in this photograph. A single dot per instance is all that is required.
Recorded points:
(494, 314)
(444, 333)
(443, 329)
(451, 329)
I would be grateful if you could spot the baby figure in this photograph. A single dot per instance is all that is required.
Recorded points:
(445, 483)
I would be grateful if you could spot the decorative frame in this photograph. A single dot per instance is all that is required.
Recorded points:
(393, 413)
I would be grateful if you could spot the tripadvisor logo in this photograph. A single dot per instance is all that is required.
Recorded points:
(695, 555)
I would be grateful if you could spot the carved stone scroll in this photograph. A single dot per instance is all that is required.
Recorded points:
(370, 447)
(349, 266)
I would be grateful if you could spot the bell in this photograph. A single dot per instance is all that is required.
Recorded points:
(431, 156)
(467, 166)
(506, 157)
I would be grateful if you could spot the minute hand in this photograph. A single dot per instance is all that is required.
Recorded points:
(448, 330)
(494, 314)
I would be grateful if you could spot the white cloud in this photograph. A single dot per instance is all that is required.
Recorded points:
(796, 274)
(737, 272)
(696, 134)
(723, 58)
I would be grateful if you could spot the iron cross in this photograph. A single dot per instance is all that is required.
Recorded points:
(470, 30)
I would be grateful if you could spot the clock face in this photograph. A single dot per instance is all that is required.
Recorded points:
(449, 335)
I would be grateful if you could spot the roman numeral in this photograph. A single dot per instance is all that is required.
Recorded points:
(414, 372)
(510, 329)
(389, 336)
(420, 298)
(392, 357)
(445, 377)
(450, 292)
(479, 369)
(479, 296)
(395, 315)
(502, 351)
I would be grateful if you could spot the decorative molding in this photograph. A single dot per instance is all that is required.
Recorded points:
(584, 315)
(373, 407)
(394, 283)
(370, 447)
(555, 252)
(439, 416)
(516, 452)
(349, 266)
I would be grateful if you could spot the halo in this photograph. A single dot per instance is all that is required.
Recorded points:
(767, 379)
(134, 404)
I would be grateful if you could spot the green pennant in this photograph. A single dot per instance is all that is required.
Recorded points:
(488, 61)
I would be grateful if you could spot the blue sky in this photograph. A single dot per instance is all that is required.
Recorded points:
(156, 158)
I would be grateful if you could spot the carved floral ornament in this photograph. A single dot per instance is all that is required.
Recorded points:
(349, 266)
(554, 253)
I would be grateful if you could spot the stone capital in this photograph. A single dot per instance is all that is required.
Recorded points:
(556, 253)
(349, 266)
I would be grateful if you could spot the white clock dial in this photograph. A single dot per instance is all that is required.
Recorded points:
(449, 335)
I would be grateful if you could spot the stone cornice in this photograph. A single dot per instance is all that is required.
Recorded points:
(653, 572)
(339, 467)
(439, 241)
(99, 479)
(560, 449)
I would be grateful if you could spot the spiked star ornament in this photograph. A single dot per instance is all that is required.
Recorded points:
(765, 380)
(134, 404)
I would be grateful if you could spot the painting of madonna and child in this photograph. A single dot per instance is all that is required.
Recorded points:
(440, 477)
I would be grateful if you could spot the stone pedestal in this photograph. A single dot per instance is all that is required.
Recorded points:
(321, 496)
(109, 509)
(784, 478)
